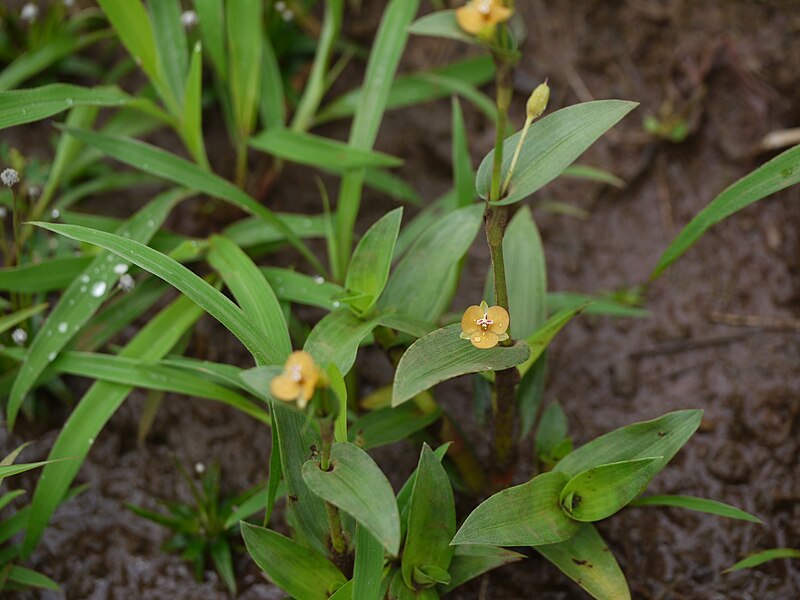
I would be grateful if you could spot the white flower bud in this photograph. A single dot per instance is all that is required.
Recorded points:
(9, 177)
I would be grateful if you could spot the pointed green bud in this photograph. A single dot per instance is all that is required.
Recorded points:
(537, 103)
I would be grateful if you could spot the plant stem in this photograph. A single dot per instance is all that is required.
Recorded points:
(240, 178)
(338, 544)
(496, 220)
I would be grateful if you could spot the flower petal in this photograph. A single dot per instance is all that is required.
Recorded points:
(284, 388)
(306, 391)
(500, 13)
(484, 339)
(469, 19)
(469, 320)
(500, 318)
(302, 359)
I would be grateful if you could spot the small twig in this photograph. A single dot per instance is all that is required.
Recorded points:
(759, 321)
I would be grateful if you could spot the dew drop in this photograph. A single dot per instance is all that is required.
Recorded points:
(62, 327)
(83, 289)
(70, 101)
(55, 213)
(151, 223)
(281, 290)
(84, 278)
(120, 269)
(98, 289)
(51, 357)
(336, 304)
(319, 280)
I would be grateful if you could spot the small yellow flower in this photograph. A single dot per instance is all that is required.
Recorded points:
(298, 381)
(483, 326)
(477, 17)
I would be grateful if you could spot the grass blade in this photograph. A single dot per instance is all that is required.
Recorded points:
(181, 278)
(777, 174)
(93, 412)
(243, 22)
(253, 293)
(8, 321)
(759, 558)
(82, 299)
(171, 45)
(704, 505)
(173, 168)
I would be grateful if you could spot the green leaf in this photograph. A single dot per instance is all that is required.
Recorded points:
(777, 174)
(443, 355)
(470, 562)
(171, 45)
(292, 286)
(18, 107)
(593, 174)
(368, 569)
(181, 278)
(594, 305)
(408, 90)
(552, 144)
(211, 18)
(192, 124)
(369, 266)
(253, 293)
(541, 338)
(272, 102)
(296, 436)
(552, 430)
(220, 552)
(255, 232)
(53, 274)
(8, 321)
(243, 20)
(712, 507)
(526, 273)
(10, 470)
(431, 520)
(173, 168)
(94, 410)
(383, 61)
(339, 389)
(523, 515)
(135, 31)
(335, 339)
(463, 173)
(357, 485)
(416, 286)
(442, 24)
(601, 491)
(404, 495)
(301, 572)
(30, 578)
(318, 151)
(660, 437)
(759, 558)
(530, 394)
(389, 425)
(587, 560)
(81, 299)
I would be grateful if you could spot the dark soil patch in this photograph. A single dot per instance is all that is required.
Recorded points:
(731, 69)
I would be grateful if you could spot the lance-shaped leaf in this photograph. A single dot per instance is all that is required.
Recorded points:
(18, 107)
(356, 484)
(82, 299)
(777, 174)
(296, 437)
(759, 558)
(388, 425)
(419, 284)
(470, 562)
(47, 276)
(181, 278)
(587, 560)
(171, 167)
(253, 293)
(703, 505)
(317, 151)
(601, 491)
(368, 567)
(442, 355)
(431, 524)
(523, 515)
(527, 275)
(660, 437)
(243, 20)
(371, 260)
(552, 144)
(335, 339)
(301, 572)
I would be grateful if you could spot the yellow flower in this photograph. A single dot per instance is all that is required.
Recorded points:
(298, 381)
(483, 326)
(477, 17)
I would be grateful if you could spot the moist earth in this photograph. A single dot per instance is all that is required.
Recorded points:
(723, 335)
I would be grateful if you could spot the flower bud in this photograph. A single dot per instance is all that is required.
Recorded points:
(537, 103)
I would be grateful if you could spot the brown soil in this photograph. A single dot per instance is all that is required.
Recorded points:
(730, 68)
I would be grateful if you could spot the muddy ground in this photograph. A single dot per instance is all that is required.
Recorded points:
(730, 69)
